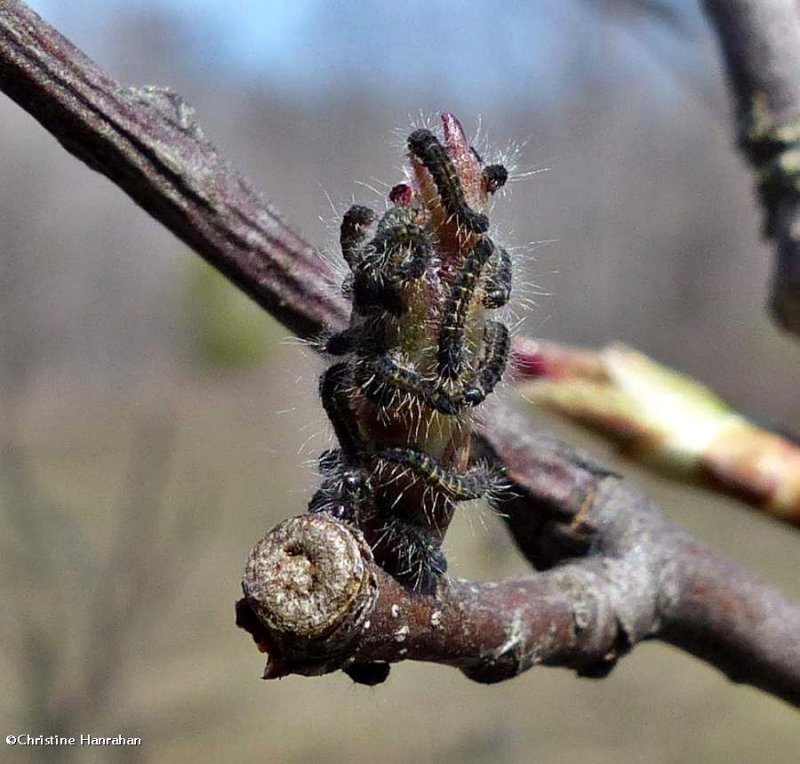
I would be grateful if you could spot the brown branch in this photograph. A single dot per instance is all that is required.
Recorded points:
(315, 601)
(147, 142)
(663, 582)
(640, 578)
(321, 603)
(760, 42)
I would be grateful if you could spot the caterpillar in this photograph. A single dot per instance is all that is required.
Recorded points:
(425, 146)
(417, 332)
(382, 378)
(457, 486)
(451, 334)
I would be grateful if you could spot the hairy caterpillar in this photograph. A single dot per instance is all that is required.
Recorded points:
(418, 333)
(426, 147)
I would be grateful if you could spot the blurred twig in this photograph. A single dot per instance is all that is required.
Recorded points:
(760, 41)
(664, 419)
(133, 566)
(626, 586)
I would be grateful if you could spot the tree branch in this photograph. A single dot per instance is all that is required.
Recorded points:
(661, 581)
(760, 41)
(321, 603)
(315, 601)
(146, 141)
(639, 577)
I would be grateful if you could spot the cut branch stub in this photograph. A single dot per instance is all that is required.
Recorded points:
(310, 587)
(315, 602)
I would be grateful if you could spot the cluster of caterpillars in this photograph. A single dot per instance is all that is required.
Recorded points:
(417, 356)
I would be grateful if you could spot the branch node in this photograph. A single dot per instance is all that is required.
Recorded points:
(169, 104)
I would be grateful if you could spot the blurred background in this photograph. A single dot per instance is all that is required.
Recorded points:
(154, 424)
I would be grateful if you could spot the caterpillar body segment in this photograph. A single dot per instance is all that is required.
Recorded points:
(353, 234)
(401, 237)
(454, 318)
(382, 378)
(411, 551)
(496, 343)
(335, 388)
(373, 293)
(456, 486)
(344, 342)
(367, 335)
(498, 281)
(425, 146)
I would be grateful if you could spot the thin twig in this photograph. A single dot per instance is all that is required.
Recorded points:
(760, 42)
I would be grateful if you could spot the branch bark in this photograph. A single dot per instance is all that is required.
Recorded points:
(316, 602)
(146, 141)
(760, 41)
(616, 571)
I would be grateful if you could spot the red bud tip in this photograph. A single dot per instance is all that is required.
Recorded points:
(401, 194)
